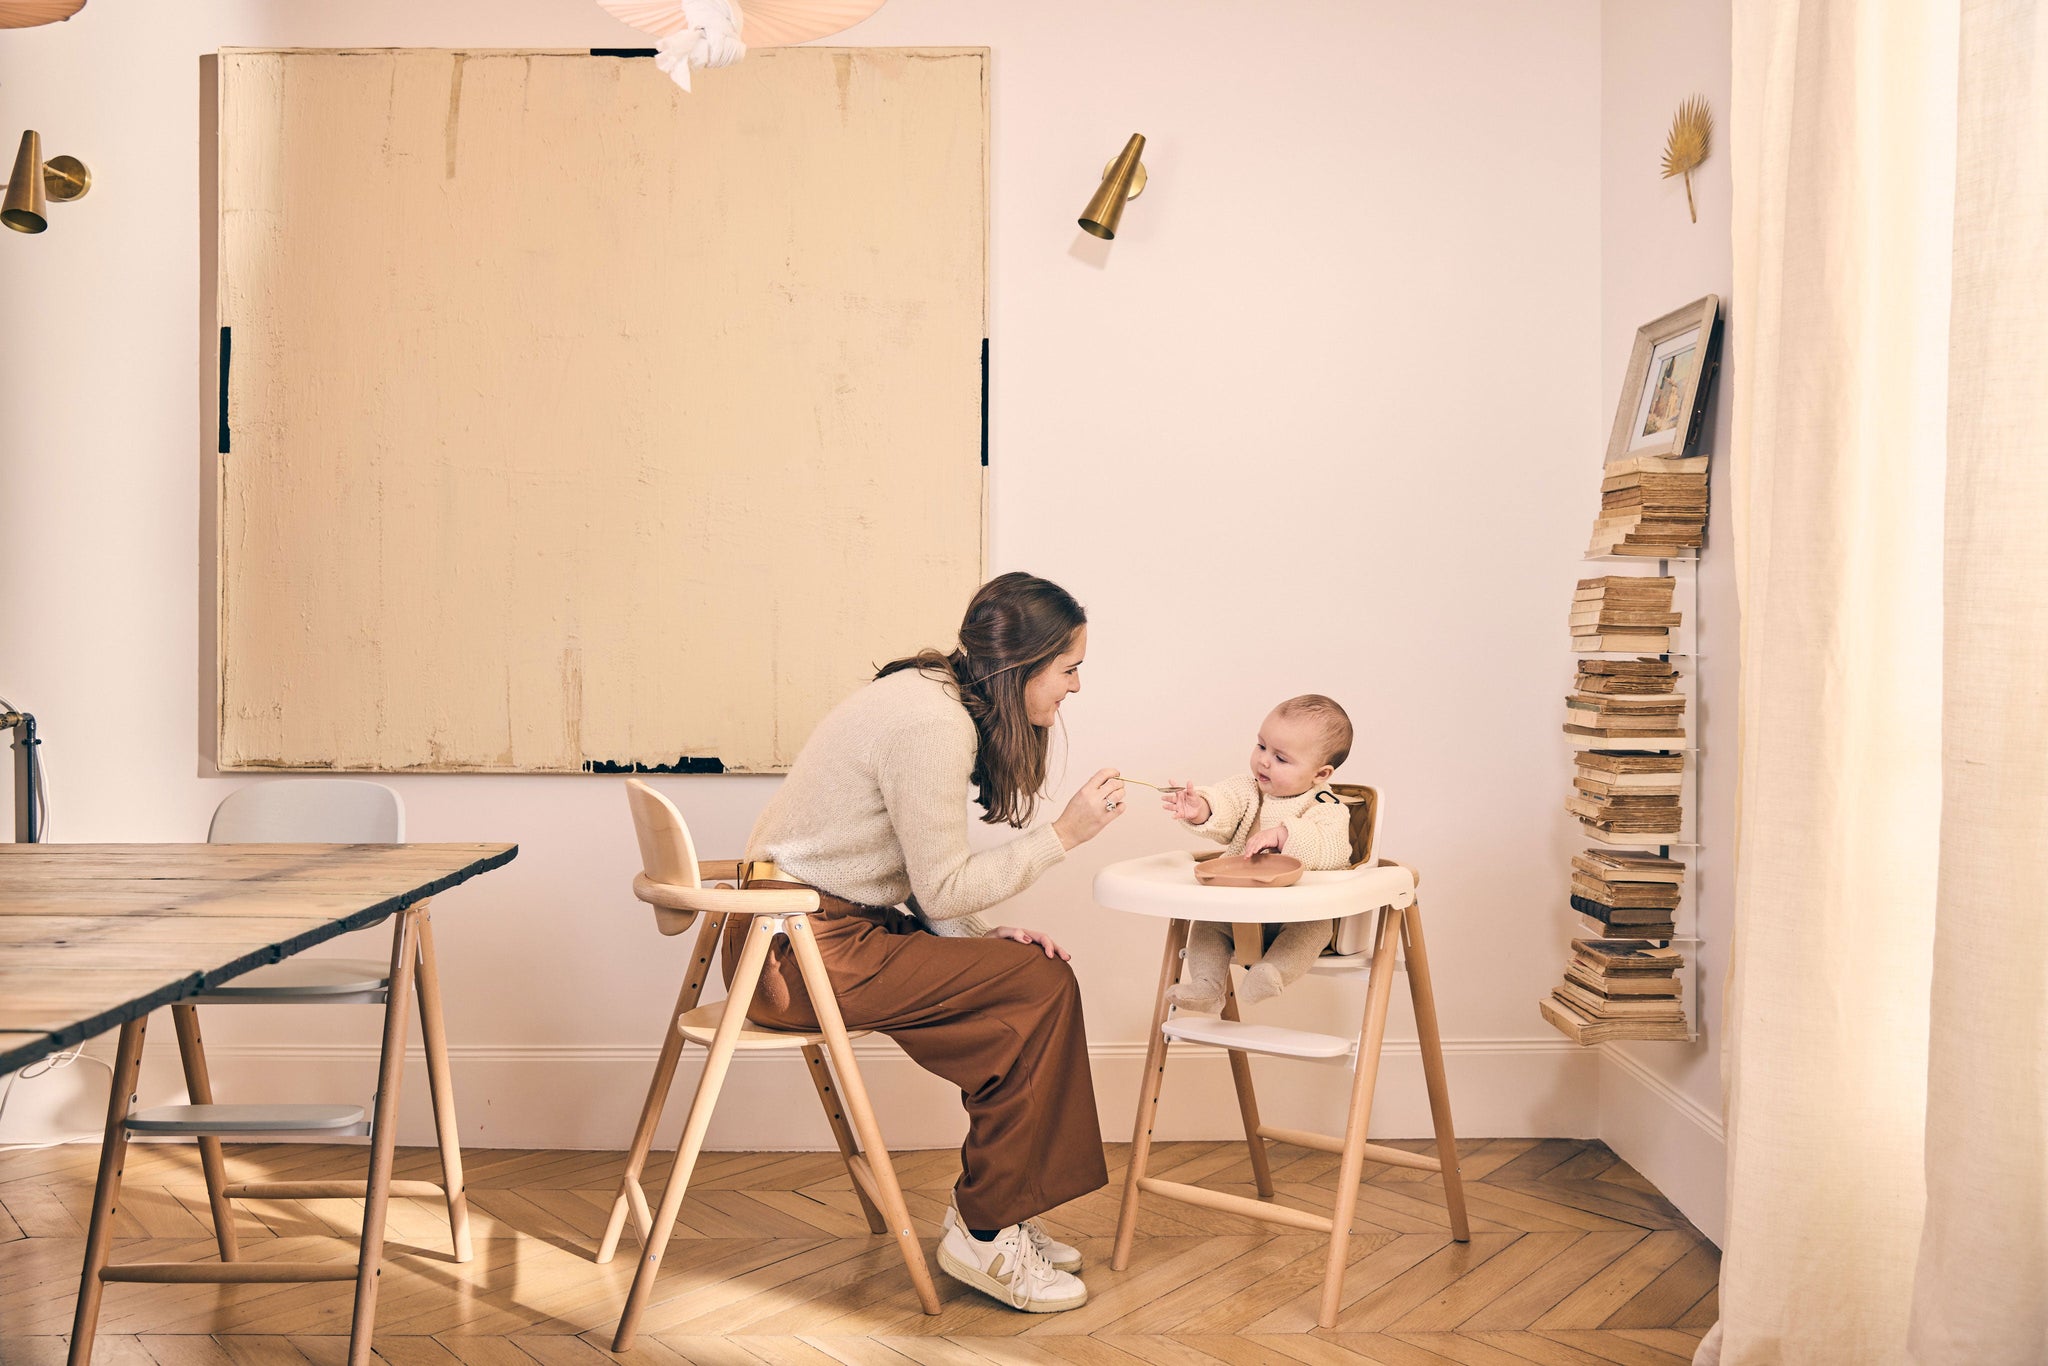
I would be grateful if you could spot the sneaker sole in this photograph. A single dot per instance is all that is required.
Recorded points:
(977, 1279)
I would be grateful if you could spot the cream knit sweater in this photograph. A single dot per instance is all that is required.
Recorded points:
(1318, 827)
(875, 809)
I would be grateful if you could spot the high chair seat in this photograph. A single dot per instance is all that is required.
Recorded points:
(699, 1025)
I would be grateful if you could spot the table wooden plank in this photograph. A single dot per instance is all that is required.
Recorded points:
(92, 936)
(40, 931)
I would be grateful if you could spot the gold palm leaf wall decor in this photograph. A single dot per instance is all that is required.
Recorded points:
(1687, 145)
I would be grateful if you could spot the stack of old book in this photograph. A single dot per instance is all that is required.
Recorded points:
(1618, 989)
(1623, 612)
(1631, 895)
(1598, 719)
(1628, 798)
(1653, 506)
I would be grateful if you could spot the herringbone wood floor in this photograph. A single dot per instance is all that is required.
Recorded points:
(1575, 1260)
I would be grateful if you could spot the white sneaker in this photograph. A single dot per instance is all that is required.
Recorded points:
(1008, 1268)
(1062, 1256)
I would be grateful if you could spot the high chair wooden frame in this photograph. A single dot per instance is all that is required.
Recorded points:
(1394, 926)
(672, 882)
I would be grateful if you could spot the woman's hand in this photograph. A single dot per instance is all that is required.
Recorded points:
(1273, 838)
(1100, 801)
(1183, 803)
(1022, 936)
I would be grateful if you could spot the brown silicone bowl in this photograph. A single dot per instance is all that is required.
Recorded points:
(1260, 870)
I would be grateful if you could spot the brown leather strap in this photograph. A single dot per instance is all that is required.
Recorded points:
(828, 904)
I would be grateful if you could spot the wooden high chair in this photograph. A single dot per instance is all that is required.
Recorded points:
(672, 882)
(1164, 885)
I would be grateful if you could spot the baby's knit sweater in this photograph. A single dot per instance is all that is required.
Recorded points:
(875, 809)
(1318, 825)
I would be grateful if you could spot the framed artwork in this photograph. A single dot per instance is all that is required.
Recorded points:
(1670, 378)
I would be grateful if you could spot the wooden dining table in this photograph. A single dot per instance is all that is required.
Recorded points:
(94, 937)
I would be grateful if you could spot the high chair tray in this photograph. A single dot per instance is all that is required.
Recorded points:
(1164, 885)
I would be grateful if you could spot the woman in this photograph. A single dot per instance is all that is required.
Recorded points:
(872, 816)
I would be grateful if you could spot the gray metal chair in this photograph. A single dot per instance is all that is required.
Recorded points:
(310, 811)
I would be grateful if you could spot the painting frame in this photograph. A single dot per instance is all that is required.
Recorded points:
(1669, 381)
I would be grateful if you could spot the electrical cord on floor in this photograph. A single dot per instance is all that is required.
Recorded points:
(67, 1058)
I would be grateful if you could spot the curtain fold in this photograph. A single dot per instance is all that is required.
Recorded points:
(1887, 1041)
(1981, 1294)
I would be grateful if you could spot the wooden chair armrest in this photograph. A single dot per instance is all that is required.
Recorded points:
(726, 900)
(719, 870)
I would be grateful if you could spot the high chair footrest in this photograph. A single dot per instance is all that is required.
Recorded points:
(1350, 965)
(336, 1120)
(1255, 1038)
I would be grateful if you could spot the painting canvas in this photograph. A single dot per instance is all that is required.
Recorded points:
(1661, 404)
(576, 424)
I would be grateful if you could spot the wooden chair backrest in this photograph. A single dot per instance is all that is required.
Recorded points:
(667, 853)
(1364, 805)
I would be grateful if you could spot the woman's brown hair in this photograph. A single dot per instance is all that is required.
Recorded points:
(1015, 625)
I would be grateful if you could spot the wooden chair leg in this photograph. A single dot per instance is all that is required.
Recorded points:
(1424, 997)
(212, 1162)
(106, 1191)
(835, 1115)
(384, 1133)
(746, 976)
(632, 1198)
(1364, 1074)
(888, 1194)
(1148, 1096)
(1247, 1101)
(441, 1086)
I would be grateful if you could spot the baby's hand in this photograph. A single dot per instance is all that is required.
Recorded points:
(1273, 838)
(1185, 804)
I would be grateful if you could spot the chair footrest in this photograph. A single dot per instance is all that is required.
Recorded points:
(230, 1273)
(1264, 1210)
(307, 981)
(337, 1120)
(328, 1190)
(1255, 1038)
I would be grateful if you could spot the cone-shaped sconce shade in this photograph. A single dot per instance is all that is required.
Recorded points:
(24, 208)
(1121, 181)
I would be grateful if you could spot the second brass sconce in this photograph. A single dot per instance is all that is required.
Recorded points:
(1123, 179)
(36, 181)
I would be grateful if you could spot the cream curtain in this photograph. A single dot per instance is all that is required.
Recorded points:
(1887, 1058)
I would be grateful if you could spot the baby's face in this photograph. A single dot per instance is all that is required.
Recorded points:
(1287, 758)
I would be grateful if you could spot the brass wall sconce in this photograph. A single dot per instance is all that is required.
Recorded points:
(1123, 179)
(35, 180)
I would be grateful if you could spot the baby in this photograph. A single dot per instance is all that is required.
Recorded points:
(1283, 804)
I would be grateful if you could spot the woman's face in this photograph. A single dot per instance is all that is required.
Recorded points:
(1046, 689)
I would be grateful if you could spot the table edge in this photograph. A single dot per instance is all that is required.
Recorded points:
(193, 983)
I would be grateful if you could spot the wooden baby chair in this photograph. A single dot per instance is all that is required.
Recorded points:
(1383, 889)
(672, 882)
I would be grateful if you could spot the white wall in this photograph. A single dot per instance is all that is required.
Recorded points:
(1335, 382)
(1660, 1103)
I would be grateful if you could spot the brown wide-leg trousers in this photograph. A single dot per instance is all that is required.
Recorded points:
(997, 1018)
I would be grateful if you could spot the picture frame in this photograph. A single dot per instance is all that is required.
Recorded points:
(1670, 379)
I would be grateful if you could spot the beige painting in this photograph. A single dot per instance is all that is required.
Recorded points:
(576, 422)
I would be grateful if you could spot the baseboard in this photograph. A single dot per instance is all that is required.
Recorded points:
(576, 1096)
(1678, 1144)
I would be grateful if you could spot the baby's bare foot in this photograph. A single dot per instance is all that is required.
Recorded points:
(1261, 983)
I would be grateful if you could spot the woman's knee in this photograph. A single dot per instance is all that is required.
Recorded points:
(1050, 979)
